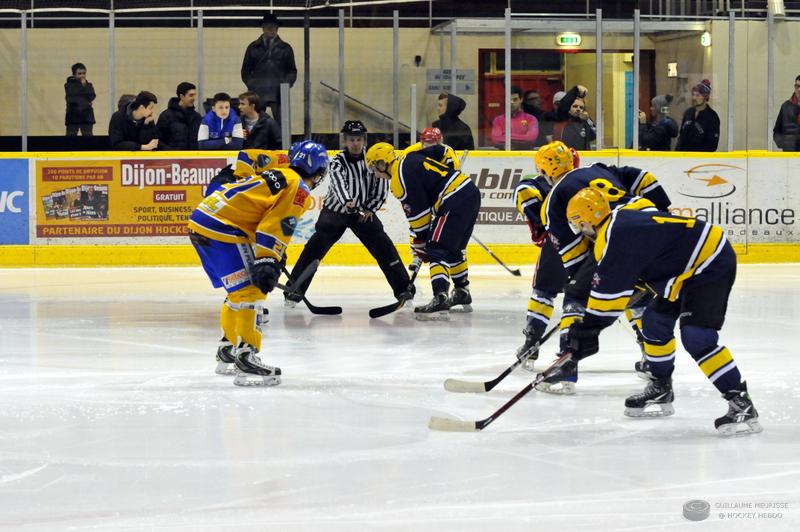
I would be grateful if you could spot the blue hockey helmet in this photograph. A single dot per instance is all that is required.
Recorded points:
(310, 160)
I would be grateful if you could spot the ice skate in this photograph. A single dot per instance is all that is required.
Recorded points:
(642, 368)
(742, 417)
(437, 310)
(291, 300)
(462, 298)
(654, 401)
(407, 296)
(562, 381)
(225, 358)
(252, 371)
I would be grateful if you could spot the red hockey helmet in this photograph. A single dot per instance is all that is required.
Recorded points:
(431, 135)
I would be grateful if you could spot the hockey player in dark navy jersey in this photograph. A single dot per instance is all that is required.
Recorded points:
(691, 267)
(441, 206)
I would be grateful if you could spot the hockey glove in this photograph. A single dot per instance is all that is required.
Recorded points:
(538, 234)
(265, 273)
(419, 250)
(582, 341)
(198, 240)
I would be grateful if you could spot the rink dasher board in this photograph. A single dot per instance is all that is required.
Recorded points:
(750, 194)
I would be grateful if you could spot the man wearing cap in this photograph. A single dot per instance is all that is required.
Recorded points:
(658, 134)
(354, 196)
(548, 121)
(700, 124)
(268, 62)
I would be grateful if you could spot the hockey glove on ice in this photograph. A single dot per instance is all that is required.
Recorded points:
(265, 273)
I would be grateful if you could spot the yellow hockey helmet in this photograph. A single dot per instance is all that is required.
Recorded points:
(590, 206)
(554, 160)
(380, 152)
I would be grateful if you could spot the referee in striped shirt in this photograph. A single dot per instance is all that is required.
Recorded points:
(354, 196)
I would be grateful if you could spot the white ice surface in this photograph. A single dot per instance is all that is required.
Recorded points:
(111, 416)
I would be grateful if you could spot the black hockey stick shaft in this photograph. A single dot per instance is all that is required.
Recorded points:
(492, 383)
(516, 273)
(560, 361)
(304, 275)
(388, 309)
(313, 308)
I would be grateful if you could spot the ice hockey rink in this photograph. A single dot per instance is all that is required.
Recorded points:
(111, 416)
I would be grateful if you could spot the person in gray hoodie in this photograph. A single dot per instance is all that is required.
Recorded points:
(658, 134)
(456, 132)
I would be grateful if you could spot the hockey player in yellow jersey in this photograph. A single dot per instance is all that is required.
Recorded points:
(241, 231)
(441, 206)
(691, 268)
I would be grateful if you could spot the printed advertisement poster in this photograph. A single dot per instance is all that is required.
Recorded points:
(119, 198)
(14, 213)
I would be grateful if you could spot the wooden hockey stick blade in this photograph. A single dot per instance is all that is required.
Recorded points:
(452, 425)
(459, 386)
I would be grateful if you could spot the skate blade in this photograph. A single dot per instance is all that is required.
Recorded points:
(463, 310)
(557, 388)
(248, 379)
(751, 426)
(656, 410)
(432, 316)
(529, 365)
(223, 368)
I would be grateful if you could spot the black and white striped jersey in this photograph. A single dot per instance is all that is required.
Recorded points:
(351, 180)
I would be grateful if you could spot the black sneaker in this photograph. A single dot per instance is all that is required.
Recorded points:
(437, 309)
(655, 401)
(461, 297)
(562, 381)
(742, 417)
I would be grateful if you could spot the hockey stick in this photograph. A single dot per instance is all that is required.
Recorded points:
(455, 425)
(459, 386)
(515, 273)
(308, 272)
(330, 311)
(388, 309)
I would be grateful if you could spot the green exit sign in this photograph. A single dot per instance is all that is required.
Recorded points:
(568, 39)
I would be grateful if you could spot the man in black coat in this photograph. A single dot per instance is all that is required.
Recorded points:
(79, 95)
(268, 62)
(786, 132)
(700, 124)
(658, 134)
(134, 128)
(179, 122)
(456, 132)
(260, 130)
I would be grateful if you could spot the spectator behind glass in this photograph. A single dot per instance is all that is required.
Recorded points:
(548, 121)
(179, 122)
(221, 128)
(268, 62)
(578, 131)
(79, 95)
(456, 132)
(786, 132)
(524, 127)
(259, 129)
(658, 134)
(124, 100)
(700, 124)
(532, 104)
(133, 127)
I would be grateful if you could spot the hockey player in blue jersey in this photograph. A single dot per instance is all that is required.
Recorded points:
(691, 267)
(563, 264)
(441, 205)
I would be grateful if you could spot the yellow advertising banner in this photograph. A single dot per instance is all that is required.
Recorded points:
(119, 198)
